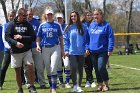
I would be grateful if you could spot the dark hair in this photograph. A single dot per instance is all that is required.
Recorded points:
(21, 11)
(84, 14)
(78, 23)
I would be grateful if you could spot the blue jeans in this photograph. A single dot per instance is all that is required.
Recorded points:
(99, 61)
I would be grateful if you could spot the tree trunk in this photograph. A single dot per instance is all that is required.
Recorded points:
(129, 21)
(4, 9)
(104, 7)
(87, 3)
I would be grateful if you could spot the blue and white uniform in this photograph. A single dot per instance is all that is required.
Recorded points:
(49, 34)
(65, 62)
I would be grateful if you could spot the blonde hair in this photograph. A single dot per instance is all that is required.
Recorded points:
(100, 11)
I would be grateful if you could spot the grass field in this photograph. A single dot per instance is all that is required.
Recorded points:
(124, 77)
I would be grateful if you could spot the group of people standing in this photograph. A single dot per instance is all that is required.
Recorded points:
(80, 43)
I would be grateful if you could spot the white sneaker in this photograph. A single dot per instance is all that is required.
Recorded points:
(79, 89)
(67, 85)
(87, 84)
(93, 85)
(74, 88)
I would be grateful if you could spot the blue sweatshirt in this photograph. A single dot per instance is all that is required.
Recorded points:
(74, 43)
(87, 24)
(100, 37)
(1, 42)
(35, 23)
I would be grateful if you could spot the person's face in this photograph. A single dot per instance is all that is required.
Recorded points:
(30, 15)
(59, 20)
(97, 16)
(88, 17)
(11, 16)
(73, 17)
(22, 17)
(49, 16)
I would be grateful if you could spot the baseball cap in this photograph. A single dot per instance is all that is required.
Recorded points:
(49, 11)
(59, 15)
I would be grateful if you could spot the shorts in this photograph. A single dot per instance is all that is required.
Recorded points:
(17, 60)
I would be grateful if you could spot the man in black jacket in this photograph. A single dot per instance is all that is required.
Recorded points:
(20, 35)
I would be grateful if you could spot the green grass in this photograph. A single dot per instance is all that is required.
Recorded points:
(122, 80)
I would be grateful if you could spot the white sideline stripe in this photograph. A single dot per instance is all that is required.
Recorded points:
(125, 67)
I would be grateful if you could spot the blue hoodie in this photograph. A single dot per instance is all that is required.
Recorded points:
(1, 42)
(35, 23)
(74, 43)
(100, 37)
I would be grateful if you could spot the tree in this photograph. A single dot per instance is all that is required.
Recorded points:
(13, 4)
(129, 20)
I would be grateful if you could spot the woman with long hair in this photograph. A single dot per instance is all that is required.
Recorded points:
(74, 47)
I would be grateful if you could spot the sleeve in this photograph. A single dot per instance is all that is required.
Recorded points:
(39, 31)
(6, 45)
(59, 30)
(110, 38)
(66, 42)
(87, 39)
(9, 35)
(31, 37)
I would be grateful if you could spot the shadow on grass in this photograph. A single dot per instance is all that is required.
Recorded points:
(117, 89)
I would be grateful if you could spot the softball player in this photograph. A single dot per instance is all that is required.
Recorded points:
(52, 46)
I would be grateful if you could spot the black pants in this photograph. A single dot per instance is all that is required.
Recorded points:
(88, 65)
(7, 60)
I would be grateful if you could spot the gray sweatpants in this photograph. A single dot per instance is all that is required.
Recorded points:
(76, 65)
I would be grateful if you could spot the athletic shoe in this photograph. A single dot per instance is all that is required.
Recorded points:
(67, 85)
(28, 85)
(32, 89)
(93, 85)
(20, 90)
(74, 88)
(87, 84)
(79, 89)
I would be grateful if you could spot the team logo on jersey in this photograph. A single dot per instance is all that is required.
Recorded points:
(96, 31)
(21, 29)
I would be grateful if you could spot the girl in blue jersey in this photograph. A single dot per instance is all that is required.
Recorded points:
(60, 19)
(100, 44)
(52, 46)
(88, 65)
(7, 54)
(74, 47)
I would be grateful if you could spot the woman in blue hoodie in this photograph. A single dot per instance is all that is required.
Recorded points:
(100, 46)
(74, 47)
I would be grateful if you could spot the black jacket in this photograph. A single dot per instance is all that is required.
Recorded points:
(24, 29)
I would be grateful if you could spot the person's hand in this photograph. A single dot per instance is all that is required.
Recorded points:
(38, 49)
(17, 36)
(87, 53)
(109, 53)
(19, 45)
